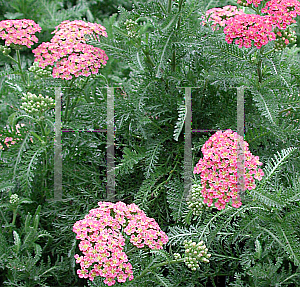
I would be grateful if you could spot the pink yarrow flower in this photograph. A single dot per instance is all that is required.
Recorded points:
(282, 12)
(247, 3)
(68, 53)
(219, 166)
(102, 241)
(246, 29)
(19, 32)
(219, 16)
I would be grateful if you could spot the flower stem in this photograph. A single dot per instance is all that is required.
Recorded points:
(259, 71)
(45, 160)
(12, 59)
(269, 52)
(20, 67)
(169, 6)
(68, 99)
(14, 216)
(148, 58)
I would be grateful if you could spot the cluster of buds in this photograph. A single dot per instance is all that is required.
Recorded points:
(14, 199)
(131, 27)
(5, 50)
(33, 104)
(195, 200)
(195, 253)
(39, 72)
(9, 140)
(284, 38)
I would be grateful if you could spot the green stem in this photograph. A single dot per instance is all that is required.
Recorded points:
(148, 269)
(4, 217)
(148, 58)
(169, 6)
(173, 63)
(259, 71)
(45, 161)
(179, 17)
(180, 5)
(286, 110)
(14, 216)
(162, 7)
(77, 98)
(12, 59)
(68, 98)
(20, 67)
(269, 52)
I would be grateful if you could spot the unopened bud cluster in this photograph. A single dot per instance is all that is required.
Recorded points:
(177, 256)
(33, 104)
(195, 253)
(284, 38)
(5, 50)
(39, 72)
(131, 28)
(14, 199)
(195, 200)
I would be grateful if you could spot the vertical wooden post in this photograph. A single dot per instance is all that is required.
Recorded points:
(110, 145)
(57, 147)
(188, 168)
(240, 143)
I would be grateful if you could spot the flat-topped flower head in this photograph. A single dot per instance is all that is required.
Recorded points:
(102, 241)
(75, 31)
(219, 169)
(19, 32)
(68, 53)
(219, 16)
(282, 12)
(247, 3)
(248, 29)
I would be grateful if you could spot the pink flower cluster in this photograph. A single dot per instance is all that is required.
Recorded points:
(245, 28)
(19, 32)
(68, 52)
(102, 241)
(75, 31)
(218, 169)
(219, 16)
(247, 3)
(282, 12)
(10, 140)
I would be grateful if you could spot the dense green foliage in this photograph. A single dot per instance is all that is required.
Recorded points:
(254, 245)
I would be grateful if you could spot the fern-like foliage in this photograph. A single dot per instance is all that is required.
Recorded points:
(176, 199)
(181, 119)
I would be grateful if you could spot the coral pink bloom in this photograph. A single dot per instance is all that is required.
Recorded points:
(103, 246)
(19, 32)
(223, 179)
(68, 46)
(243, 31)
(282, 12)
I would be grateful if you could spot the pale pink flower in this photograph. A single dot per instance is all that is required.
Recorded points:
(19, 32)
(219, 185)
